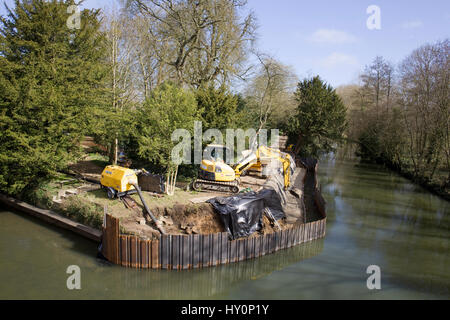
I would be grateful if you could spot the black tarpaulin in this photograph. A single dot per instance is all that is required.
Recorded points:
(241, 214)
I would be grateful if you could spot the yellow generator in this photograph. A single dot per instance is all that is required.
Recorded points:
(118, 181)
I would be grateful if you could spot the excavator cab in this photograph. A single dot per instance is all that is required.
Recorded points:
(214, 173)
(214, 166)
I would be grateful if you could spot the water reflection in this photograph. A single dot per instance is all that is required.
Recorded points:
(374, 217)
(210, 282)
(384, 213)
(34, 258)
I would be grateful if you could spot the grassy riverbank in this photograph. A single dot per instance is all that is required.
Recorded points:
(75, 208)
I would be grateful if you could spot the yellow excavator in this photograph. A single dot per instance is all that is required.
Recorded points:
(216, 175)
(267, 157)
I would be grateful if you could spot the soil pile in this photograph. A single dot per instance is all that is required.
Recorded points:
(190, 219)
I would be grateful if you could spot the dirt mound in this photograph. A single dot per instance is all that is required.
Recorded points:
(190, 219)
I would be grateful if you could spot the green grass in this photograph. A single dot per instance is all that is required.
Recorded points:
(87, 213)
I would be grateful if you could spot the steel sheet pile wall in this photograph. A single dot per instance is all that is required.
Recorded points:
(181, 252)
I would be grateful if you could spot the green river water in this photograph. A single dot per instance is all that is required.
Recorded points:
(375, 217)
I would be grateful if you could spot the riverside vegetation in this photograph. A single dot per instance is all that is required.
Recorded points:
(130, 76)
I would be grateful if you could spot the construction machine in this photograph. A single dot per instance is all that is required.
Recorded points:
(269, 160)
(120, 182)
(216, 175)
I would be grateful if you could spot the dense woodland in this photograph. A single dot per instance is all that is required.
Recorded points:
(399, 115)
(131, 75)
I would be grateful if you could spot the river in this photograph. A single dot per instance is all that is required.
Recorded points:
(375, 217)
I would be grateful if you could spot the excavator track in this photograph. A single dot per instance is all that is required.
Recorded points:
(200, 185)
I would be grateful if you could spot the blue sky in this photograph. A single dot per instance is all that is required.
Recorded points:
(330, 38)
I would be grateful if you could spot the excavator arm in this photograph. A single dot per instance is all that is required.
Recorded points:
(255, 159)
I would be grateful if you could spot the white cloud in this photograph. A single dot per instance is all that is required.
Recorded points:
(331, 36)
(337, 59)
(412, 24)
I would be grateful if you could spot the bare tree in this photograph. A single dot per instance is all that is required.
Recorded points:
(203, 41)
(123, 94)
(272, 90)
(377, 84)
(424, 89)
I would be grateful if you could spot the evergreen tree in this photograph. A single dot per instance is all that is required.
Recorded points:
(218, 107)
(168, 108)
(51, 80)
(320, 120)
